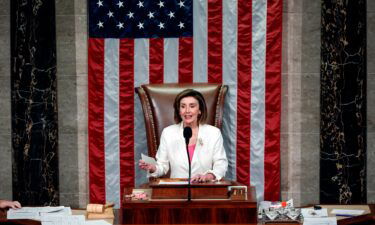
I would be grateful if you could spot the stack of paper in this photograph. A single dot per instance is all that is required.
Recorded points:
(37, 212)
(59, 215)
(317, 217)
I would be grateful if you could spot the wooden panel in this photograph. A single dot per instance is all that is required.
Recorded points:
(205, 208)
(189, 212)
(209, 190)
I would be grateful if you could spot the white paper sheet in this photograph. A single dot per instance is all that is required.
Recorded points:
(351, 212)
(311, 213)
(46, 209)
(37, 212)
(97, 222)
(63, 220)
(320, 221)
(148, 159)
(173, 182)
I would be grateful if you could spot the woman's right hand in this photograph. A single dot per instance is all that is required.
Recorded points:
(146, 166)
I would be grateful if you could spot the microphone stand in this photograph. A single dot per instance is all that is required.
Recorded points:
(187, 135)
(189, 185)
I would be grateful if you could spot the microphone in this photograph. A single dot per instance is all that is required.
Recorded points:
(187, 135)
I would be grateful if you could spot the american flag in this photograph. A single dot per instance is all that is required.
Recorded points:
(133, 42)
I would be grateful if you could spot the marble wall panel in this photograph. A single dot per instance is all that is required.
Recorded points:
(68, 111)
(370, 6)
(343, 102)
(310, 168)
(300, 101)
(72, 63)
(82, 98)
(293, 6)
(80, 7)
(82, 88)
(34, 103)
(310, 42)
(68, 142)
(370, 100)
(370, 168)
(69, 175)
(5, 106)
(290, 107)
(64, 7)
(310, 105)
(370, 43)
(5, 139)
(83, 170)
(68, 103)
(5, 45)
(6, 166)
(292, 43)
(81, 43)
(66, 57)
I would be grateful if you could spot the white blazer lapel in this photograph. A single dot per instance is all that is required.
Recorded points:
(198, 146)
(182, 148)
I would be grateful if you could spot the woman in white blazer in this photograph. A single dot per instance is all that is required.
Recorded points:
(207, 154)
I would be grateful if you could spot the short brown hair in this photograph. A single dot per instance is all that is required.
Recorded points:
(198, 96)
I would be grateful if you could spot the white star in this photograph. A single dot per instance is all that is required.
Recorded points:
(161, 4)
(110, 14)
(181, 25)
(99, 3)
(100, 24)
(181, 4)
(140, 4)
(130, 15)
(140, 25)
(150, 15)
(161, 25)
(120, 4)
(171, 14)
(120, 25)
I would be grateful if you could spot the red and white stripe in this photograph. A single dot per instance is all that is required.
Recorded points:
(236, 42)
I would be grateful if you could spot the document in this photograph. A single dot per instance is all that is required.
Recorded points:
(320, 221)
(36, 213)
(63, 220)
(97, 222)
(311, 213)
(173, 182)
(148, 159)
(347, 212)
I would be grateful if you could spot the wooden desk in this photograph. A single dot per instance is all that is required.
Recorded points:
(368, 219)
(183, 217)
(359, 220)
(197, 211)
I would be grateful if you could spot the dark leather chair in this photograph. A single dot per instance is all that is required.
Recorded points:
(157, 104)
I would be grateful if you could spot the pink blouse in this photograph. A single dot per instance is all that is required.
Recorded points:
(191, 149)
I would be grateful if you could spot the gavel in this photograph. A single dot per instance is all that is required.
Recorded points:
(98, 208)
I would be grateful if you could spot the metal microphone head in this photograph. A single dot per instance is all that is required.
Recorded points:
(187, 133)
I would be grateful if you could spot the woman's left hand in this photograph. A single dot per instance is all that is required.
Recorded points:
(199, 178)
(9, 204)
